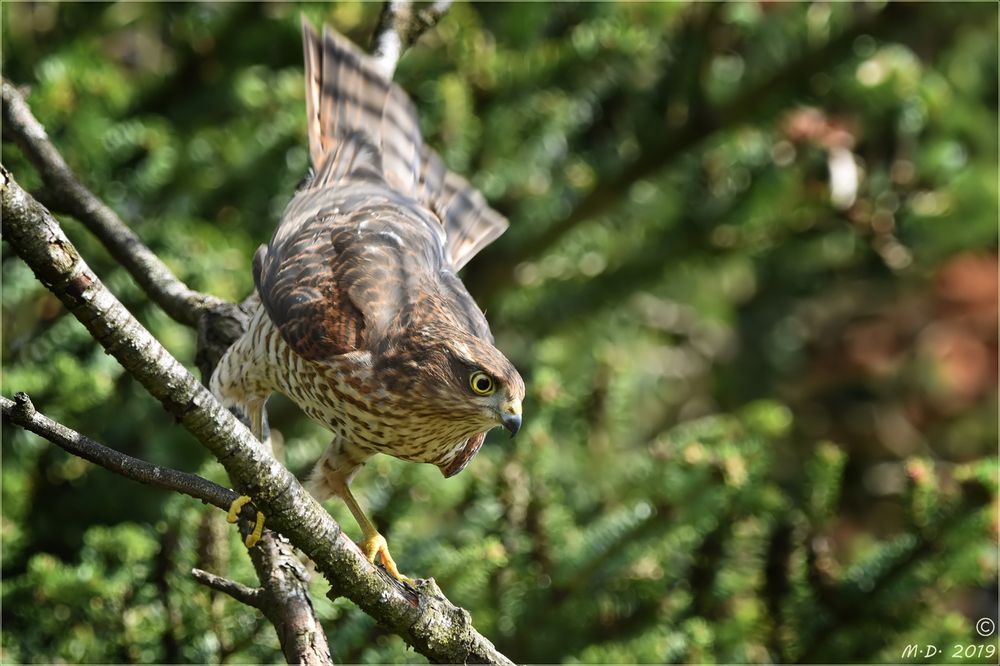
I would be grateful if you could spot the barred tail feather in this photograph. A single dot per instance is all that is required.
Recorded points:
(362, 126)
(469, 222)
(349, 101)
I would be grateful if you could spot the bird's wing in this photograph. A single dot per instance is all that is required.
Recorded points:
(305, 295)
(334, 281)
(361, 125)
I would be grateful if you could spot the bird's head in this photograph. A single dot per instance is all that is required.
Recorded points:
(485, 382)
(459, 381)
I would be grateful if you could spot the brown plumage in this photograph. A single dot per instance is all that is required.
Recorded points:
(363, 322)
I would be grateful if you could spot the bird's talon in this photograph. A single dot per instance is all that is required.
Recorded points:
(236, 507)
(376, 546)
(258, 529)
(234, 515)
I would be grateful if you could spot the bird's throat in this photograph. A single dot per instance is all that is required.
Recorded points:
(464, 456)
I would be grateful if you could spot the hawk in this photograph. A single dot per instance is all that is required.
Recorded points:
(362, 320)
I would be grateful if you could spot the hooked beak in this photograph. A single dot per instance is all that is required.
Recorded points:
(511, 417)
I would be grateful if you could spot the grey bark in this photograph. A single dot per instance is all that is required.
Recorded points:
(21, 412)
(69, 195)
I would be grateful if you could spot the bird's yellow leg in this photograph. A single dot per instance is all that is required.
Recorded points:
(374, 544)
(256, 417)
(257, 428)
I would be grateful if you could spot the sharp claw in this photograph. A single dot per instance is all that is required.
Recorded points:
(236, 506)
(258, 529)
(234, 515)
(376, 546)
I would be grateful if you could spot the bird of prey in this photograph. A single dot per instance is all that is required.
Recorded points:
(363, 322)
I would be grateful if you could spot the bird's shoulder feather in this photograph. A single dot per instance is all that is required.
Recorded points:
(349, 269)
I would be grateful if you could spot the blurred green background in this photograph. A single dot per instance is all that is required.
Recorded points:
(750, 281)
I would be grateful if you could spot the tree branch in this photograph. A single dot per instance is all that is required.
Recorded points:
(21, 412)
(284, 597)
(286, 603)
(218, 323)
(182, 303)
(425, 619)
(399, 26)
(299, 646)
(243, 594)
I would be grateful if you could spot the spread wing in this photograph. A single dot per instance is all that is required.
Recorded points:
(348, 102)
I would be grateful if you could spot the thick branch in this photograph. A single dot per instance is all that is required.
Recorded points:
(286, 603)
(71, 196)
(426, 620)
(300, 646)
(399, 26)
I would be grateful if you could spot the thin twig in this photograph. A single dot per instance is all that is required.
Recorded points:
(399, 26)
(243, 594)
(70, 195)
(21, 412)
(423, 618)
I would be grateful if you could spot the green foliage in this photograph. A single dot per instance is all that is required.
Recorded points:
(759, 426)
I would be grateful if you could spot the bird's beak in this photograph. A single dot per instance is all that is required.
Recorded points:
(511, 417)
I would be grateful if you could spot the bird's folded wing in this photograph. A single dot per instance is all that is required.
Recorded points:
(330, 287)
(362, 126)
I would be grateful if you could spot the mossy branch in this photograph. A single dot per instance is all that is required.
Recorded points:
(283, 598)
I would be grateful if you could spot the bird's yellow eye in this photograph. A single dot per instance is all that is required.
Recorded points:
(481, 383)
